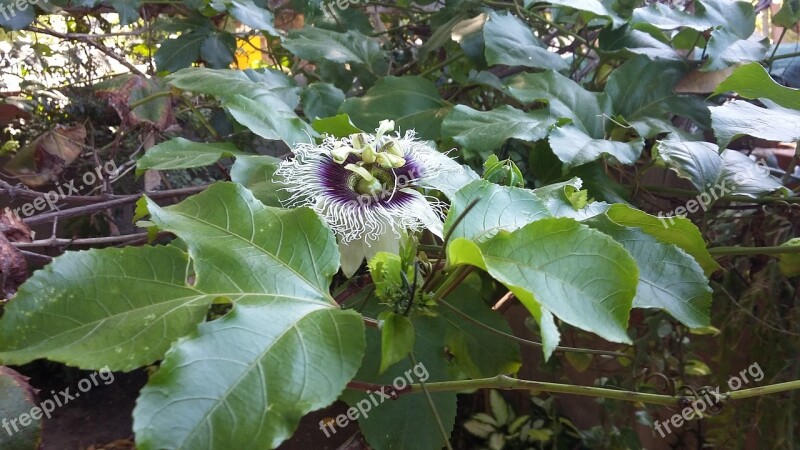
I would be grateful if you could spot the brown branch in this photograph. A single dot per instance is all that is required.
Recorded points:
(110, 201)
(90, 42)
(61, 242)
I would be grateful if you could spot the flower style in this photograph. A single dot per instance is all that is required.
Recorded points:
(365, 187)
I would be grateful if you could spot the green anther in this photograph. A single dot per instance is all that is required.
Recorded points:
(389, 161)
(359, 141)
(364, 173)
(393, 147)
(340, 154)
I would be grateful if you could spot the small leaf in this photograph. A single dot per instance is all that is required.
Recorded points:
(500, 409)
(247, 12)
(321, 100)
(178, 53)
(217, 50)
(338, 126)
(180, 153)
(579, 361)
(789, 263)
(752, 81)
(397, 338)
(488, 130)
(269, 123)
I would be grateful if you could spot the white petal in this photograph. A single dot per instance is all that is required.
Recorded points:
(423, 212)
(353, 254)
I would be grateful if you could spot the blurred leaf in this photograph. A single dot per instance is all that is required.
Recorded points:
(321, 100)
(789, 263)
(217, 50)
(253, 16)
(178, 53)
(397, 338)
(412, 102)
(180, 153)
(511, 42)
(338, 126)
(488, 130)
(18, 400)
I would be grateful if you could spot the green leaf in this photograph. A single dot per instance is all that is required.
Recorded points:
(256, 173)
(217, 50)
(276, 266)
(574, 147)
(316, 45)
(728, 48)
(248, 13)
(669, 278)
(19, 400)
(338, 126)
(488, 130)
(128, 10)
(627, 41)
(497, 208)
(679, 231)
(180, 153)
(714, 174)
(788, 15)
(321, 100)
(266, 362)
(411, 101)
(268, 87)
(580, 275)
(380, 419)
(397, 338)
(789, 263)
(178, 53)
(559, 199)
(276, 123)
(120, 308)
(477, 351)
(752, 81)
(642, 91)
(511, 42)
(738, 118)
(591, 8)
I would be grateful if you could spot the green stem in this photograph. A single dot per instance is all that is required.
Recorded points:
(506, 382)
(776, 250)
(201, 118)
(763, 390)
(772, 56)
(785, 55)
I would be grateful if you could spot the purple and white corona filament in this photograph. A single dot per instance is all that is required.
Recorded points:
(366, 188)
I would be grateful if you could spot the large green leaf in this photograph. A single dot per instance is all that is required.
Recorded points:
(642, 92)
(116, 307)
(752, 81)
(679, 231)
(511, 42)
(412, 102)
(276, 122)
(590, 8)
(217, 50)
(256, 173)
(488, 130)
(669, 278)
(180, 153)
(714, 174)
(268, 87)
(738, 118)
(181, 52)
(321, 100)
(579, 274)
(317, 44)
(583, 138)
(265, 357)
(497, 208)
(252, 15)
(477, 351)
(627, 41)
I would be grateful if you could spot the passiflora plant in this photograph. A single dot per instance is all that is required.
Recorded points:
(370, 251)
(266, 248)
